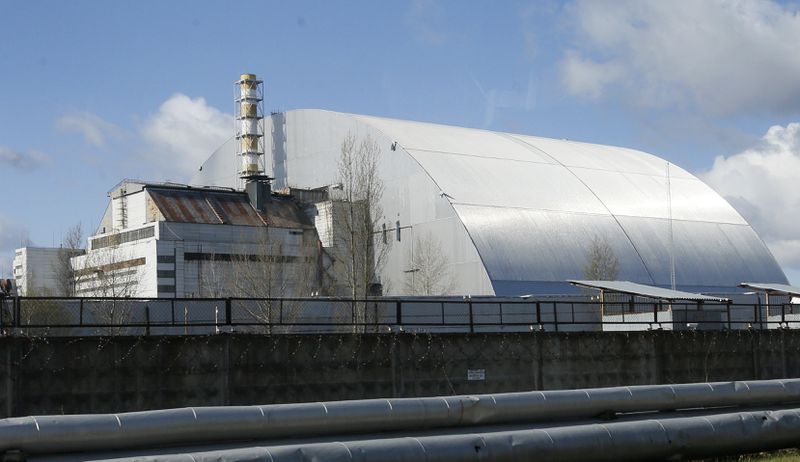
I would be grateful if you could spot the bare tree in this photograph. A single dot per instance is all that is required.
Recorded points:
(430, 268)
(110, 274)
(277, 266)
(71, 245)
(359, 252)
(602, 263)
(215, 276)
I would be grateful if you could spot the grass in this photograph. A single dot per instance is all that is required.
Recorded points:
(783, 455)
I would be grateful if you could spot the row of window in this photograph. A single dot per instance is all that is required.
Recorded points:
(121, 238)
(197, 256)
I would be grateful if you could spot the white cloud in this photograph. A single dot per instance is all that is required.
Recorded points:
(29, 159)
(762, 184)
(183, 133)
(716, 56)
(587, 78)
(93, 128)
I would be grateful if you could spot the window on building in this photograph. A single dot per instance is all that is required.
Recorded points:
(170, 289)
(166, 258)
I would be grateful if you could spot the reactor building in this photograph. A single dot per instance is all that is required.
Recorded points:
(510, 214)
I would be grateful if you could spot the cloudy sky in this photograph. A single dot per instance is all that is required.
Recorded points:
(93, 92)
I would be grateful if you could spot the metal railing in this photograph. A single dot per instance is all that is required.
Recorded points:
(176, 316)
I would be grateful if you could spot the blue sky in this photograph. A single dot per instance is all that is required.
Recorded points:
(93, 92)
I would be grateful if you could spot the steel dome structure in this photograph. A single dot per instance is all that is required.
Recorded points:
(516, 214)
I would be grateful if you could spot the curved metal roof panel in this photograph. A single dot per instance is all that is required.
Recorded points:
(532, 206)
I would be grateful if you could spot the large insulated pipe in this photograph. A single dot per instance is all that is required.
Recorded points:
(62, 433)
(665, 438)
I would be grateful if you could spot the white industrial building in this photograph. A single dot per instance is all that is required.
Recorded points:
(167, 240)
(37, 272)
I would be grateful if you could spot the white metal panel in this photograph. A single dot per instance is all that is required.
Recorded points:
(631, 194)
(586, 155)
(220, 169)
(694, 200)
(643, 195)
(137, 215)
(532, 245)
(706, 254)
(457, 140)
(503, 183)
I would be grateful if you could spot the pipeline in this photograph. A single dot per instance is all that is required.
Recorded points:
(653, 439)
(207, 425)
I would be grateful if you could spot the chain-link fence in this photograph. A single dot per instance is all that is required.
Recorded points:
(137, 316)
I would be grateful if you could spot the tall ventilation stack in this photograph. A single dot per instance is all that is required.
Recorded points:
(249, 112)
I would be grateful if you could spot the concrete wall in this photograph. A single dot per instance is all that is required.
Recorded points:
(86, 375)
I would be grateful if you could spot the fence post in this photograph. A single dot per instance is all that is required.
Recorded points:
(539, 315)
(728, 307)
(227, 311)
(783, 314)
(146, 320)
(80, 314)
(555, 316)
(398, 312)
(471, 325)
(16, 312)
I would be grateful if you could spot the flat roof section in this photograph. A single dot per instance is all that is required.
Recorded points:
(642, 290)
(772, 288)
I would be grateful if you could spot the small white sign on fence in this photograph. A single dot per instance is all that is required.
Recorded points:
(476, 374)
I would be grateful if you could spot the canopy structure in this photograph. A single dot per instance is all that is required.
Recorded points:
(772, 288)
(642, 290)
(517, 214)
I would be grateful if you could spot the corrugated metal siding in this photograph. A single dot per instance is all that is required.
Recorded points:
(533, 215)
(536, 245)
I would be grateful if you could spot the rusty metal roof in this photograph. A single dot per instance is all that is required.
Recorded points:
(214, 206)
